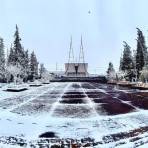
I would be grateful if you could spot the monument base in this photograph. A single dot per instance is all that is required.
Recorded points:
(100, 79)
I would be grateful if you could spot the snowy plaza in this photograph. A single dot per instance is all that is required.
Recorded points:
(111, 115)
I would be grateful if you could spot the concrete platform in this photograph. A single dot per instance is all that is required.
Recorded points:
(16, 89)
(100, 79)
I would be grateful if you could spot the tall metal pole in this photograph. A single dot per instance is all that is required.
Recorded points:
(71, 55)
(81, 55)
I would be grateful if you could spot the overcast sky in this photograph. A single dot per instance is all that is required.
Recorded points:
(46, 26)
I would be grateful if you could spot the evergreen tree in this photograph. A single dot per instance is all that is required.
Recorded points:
(18, 50)
(17, 53)
(33, 66)
(141, 53)
(127, 59)
(134, 58)
(111, 72)
(121, 63)
(42, 70)
(2, 60)
(19, 59)
(110, 68)
(11, 57)
(26, 65)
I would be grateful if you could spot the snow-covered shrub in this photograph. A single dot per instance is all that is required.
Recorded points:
(144, 74)
(15, 71)
(121, 75)
(46, 76)
(111, 74)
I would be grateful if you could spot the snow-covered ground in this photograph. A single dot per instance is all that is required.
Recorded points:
(114, 117)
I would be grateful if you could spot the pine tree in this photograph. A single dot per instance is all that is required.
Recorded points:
(127, 60)
(111, 72)
(2, 60)
(141, 53)
(42, 70)
(121, 63)
(33, 66)
(142, 44)
(26, 65)
(110, 68)
(18, 50)
(19, 59)
(11, 57)
(16, 56)
(17, 53)
(134, 58)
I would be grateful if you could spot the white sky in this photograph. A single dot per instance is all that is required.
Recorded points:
(46, 26)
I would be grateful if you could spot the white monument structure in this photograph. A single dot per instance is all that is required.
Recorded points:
(74, 68)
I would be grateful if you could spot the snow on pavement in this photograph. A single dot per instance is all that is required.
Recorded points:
(73, 110)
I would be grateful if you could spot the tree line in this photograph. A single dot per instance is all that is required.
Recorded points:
(18, 64)
(133, 63)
